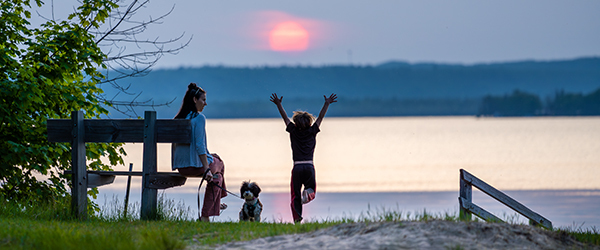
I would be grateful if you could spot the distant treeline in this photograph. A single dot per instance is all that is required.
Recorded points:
(389, 89)
(346, 108)
(520, 103)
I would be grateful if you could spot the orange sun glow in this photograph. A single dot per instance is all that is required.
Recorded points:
(288, 36)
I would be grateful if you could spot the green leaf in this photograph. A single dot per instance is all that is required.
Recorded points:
(53, 69)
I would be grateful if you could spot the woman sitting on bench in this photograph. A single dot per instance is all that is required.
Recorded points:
(194, 159)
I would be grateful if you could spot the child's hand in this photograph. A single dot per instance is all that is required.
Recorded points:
(275, 99)
(331, 99)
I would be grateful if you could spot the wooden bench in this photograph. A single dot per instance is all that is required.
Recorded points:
(149, 131)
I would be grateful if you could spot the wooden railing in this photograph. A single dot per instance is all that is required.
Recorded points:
(467, 207)
(150, 131)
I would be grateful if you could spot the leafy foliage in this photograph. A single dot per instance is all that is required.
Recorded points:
(45, 73)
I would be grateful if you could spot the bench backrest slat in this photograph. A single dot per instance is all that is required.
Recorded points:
(121, 130)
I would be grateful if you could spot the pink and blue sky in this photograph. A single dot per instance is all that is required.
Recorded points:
(310, 32)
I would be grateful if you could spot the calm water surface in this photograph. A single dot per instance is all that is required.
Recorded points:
(408, 163)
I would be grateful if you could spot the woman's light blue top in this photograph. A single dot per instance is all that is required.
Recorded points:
(185, 155)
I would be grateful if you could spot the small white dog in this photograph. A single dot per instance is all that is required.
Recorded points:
(252, 207)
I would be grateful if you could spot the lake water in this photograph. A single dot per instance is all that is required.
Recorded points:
(550, 164)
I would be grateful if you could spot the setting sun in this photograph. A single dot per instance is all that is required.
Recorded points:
(288, 36)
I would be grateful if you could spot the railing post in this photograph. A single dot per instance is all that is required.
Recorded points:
(149, 195)
(466, 192)
(127, 191)
(78, 167)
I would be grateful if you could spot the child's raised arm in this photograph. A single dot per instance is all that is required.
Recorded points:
(277, 102)
(328, 100)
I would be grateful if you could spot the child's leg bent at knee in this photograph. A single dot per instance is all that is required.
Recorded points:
(310, 186)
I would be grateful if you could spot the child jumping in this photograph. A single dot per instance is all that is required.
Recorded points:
(303, 136)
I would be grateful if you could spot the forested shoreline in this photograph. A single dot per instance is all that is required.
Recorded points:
(561, 87)
(526, 104)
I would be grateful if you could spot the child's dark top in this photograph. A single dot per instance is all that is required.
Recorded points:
(303, 141)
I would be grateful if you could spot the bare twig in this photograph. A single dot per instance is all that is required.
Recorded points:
(137, 60)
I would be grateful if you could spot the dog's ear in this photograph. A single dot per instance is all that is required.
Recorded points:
(244, 187)
(255, 190)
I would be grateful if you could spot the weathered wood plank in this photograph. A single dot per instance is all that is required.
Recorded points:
(59, 130)
(173, 131)
(149, 195)
(466, 193)
(121, 130)
(505, 199)
(96, 180)
(159, 181)
(127, 191)
(78, 178)
(132, 173)
(477, 210)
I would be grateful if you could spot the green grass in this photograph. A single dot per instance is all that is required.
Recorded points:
(21, 233)
(588, 235)
(45, 225)
(48, 225)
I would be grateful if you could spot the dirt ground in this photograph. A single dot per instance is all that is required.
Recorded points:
(436, 234)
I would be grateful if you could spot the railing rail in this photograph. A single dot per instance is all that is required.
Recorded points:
(467, 207)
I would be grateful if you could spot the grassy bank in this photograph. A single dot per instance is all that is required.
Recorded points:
(34, 225)
(48, 225)
(21, 233)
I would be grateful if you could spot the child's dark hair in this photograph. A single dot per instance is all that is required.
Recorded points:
(188, 104)
(302, 119)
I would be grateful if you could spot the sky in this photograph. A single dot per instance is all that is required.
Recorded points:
(333, 32)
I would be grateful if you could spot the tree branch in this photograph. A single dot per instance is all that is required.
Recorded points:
(123, 62)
